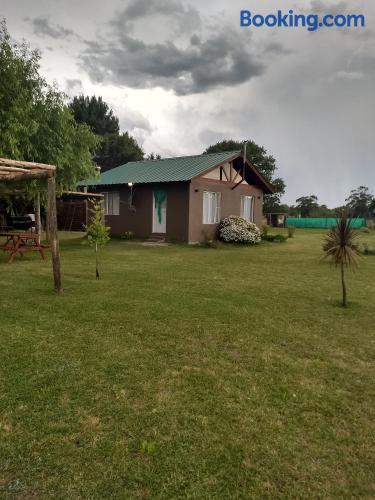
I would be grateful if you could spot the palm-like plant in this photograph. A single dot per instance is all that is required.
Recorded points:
(341, 247)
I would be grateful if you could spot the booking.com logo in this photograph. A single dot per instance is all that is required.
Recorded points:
(310, 21)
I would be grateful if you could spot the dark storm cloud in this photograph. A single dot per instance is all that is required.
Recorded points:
(221, 60)
(224, 58)
(43, 27)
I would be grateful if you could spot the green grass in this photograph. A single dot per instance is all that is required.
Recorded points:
(187, 373)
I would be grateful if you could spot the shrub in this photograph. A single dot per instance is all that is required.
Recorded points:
(265, 228)
(367, 249)
(234, 229)
(291, 231)
(280, 238)
(128, 235)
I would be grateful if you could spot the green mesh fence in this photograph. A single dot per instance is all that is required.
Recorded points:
(321, 222)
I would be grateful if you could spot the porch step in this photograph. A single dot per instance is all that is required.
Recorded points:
(155, 241)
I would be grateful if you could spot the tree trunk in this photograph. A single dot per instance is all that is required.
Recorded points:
(38, 222)
(97, 262)
(344, 298)
(53, 237)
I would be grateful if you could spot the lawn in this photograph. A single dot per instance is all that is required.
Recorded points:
(187, 373)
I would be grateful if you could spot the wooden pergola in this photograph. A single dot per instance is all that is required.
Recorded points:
(13, 170)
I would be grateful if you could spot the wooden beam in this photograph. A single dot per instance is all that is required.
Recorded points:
(53, 236)
(23, 176)
(26, 164)
(13, 169)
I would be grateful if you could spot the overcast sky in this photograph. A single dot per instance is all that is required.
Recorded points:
(182, 75)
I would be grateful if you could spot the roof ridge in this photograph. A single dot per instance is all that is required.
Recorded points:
(185, 156)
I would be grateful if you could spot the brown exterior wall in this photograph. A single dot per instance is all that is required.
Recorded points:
(230, 205)
(184, 208)
(140, 220)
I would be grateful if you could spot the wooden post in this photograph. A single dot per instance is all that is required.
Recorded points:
(53, 237)
(38, 222)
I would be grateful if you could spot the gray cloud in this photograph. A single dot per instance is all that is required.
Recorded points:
(317, 6)
(43, 27)
(276, 48)
(223, 58)
(208, 136)
(73, 86)
(132, 120)
(186, 17)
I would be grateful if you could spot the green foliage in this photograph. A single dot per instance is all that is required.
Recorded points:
(265, 163)
(265, 229)
(291, 232)
(35, 124)
(368, 249)
(116, 149)
(148, 447)
(278, 238)
(341, 248)
(97, 232)
(95, 113)
(128, 235)
(153, 156)
(306, 204)
(361, 202)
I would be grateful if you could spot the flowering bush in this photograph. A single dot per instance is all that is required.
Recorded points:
(234, 229)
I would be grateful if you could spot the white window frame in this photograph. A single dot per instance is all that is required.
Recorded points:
(247, 208)
(211, 207)
(111, 203)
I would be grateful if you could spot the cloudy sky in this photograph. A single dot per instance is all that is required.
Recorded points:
(182, 75)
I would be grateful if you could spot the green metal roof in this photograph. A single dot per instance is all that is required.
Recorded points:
(178, 169)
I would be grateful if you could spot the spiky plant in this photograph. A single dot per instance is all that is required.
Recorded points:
(341, 247)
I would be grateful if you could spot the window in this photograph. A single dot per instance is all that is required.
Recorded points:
(211, 207)
(247, 208)
(112, 203)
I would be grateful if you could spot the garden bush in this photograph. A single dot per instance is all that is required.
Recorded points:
(367, 249)
(280, 238)
(128, 235)
(291, 231)
(234, 229)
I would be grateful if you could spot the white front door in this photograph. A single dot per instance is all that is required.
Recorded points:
(159, 212)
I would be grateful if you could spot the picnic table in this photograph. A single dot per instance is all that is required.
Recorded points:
(22, 243)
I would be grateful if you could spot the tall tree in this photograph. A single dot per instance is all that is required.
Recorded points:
(116, 149)
(95, 113)
(360, 202)
(305, 205)
(265, 163)
(35, 124)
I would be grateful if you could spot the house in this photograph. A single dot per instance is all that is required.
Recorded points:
(183, 198)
